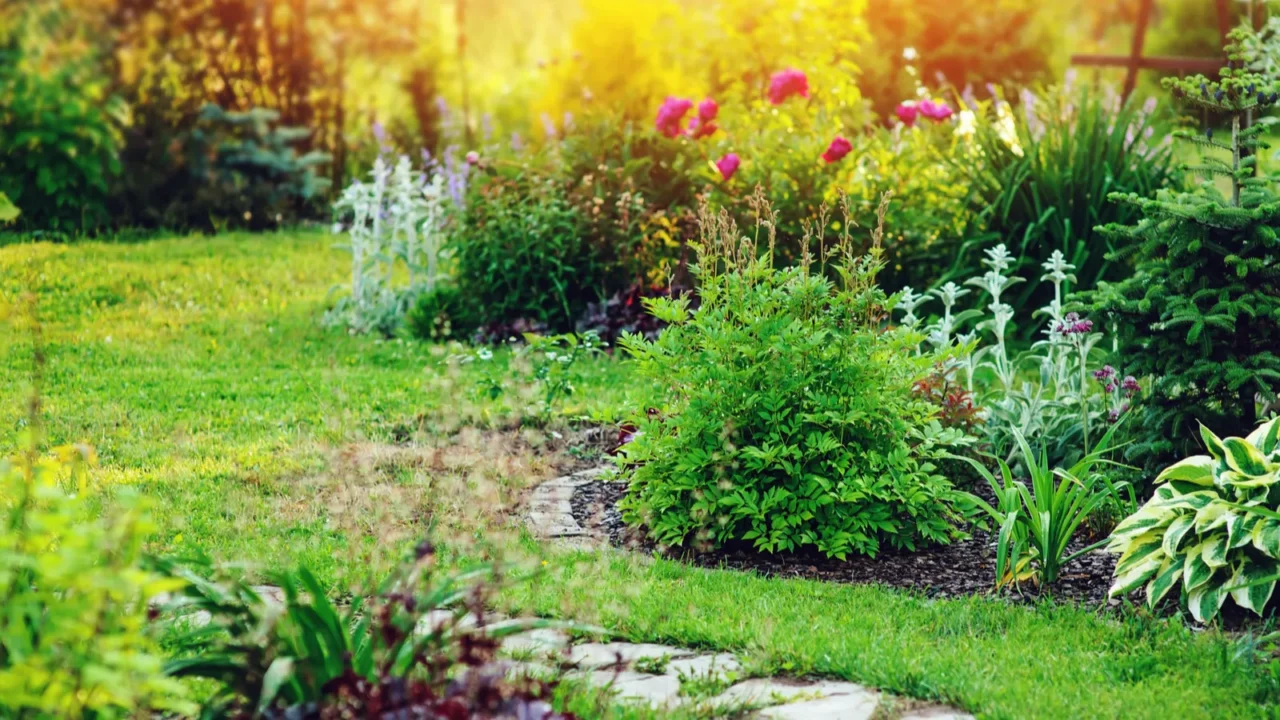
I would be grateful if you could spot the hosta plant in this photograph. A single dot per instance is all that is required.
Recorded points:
(1212, 530)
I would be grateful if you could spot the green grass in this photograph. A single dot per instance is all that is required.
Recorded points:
(199, 370)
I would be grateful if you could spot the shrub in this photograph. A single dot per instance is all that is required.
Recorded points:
(784, 411)
(408, 651)
(61, 139)
(74, 638)
(1212, 528)
(521, 253)
(443, 313)
(1038, 177)
(1201, 313)
(211, 169)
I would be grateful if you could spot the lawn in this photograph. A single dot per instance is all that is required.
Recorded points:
(199, 370)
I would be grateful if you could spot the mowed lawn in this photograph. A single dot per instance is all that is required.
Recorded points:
(200, 371)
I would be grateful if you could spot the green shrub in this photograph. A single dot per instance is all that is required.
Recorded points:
(1039, 176)
(521, 253)
(74, 638)
(1212, 529)
(443, 313)
(1201, 313)
(784, 413)
(59, 143)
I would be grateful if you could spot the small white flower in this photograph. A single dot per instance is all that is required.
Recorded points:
(484, 354)
(909, 54)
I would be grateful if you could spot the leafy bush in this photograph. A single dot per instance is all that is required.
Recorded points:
(443, 313)
(785, 415)
(74, 638)
(521, 253)
(1201, 314)
(1214, 525)
(212, 169)
(396, 654)
(1039, 175)
(60, 138)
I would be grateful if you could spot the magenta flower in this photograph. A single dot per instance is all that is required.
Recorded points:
(1073, 325)
(473, 158)
(671, 114)
(937, 112)
(838, 148)
(707, 110)
(1106, 373)
(728, 165)
(907, 112)
(786, 83)
(1130, 385)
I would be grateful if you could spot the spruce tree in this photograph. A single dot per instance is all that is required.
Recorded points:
(1201, 313)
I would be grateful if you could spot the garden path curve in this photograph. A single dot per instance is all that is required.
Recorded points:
(655, 674)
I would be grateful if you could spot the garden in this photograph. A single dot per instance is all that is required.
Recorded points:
(581, 359)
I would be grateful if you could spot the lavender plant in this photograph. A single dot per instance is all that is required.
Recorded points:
(394, 223)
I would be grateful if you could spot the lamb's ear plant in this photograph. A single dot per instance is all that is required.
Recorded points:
(1212, 529)
(1036, 524)
(394, 224)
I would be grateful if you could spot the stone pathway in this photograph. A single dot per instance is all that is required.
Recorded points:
(667, 677)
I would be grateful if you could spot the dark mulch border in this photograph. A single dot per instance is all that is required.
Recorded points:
(962, 568)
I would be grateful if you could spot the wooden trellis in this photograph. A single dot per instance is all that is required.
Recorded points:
(1135, 60)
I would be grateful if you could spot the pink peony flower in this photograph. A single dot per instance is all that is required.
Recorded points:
(937, 112)
(699, 129)
(707, 110)
(473, 158)
(785, 83)
(670, 115)
(704, 124)
(728, 165)
(838, 148)
(907, 112)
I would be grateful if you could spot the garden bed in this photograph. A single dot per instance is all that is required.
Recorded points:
(966, 567)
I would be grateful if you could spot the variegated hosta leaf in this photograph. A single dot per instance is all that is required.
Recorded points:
(1174, 533)
(1266, 437)
(1148, 517)
(1240, 530)
(1215, 550)
(1212, 443)
(1204, 601)
(1197, 469)
(1235, 479)
(1197, 571)
(1191, 501)
(1139, 551)
(1137, 573)
(1266, 537)
(1165, 579)
(1211, 516)
(1252, 584)
(1246, 459)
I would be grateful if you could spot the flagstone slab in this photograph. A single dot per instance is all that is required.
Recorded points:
(851, 706)
(770, 691)
(596, 655)
(719, 665)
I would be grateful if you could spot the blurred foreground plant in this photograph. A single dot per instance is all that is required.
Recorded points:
(421, 646)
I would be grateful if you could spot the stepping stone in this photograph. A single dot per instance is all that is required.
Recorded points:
(553, 524)
(770, 691)
(718, 665)
(935, 712)
(543, 641)
(596, 655)
(854, 706)
(655, 690)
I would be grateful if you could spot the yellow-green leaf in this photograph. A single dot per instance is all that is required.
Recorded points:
(1175, 532)
(1197, 469)
(1168, 575)
(1204, 601)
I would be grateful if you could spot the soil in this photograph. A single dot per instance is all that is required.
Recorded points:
(965, 567)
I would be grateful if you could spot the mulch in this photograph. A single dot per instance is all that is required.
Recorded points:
(965, 567)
